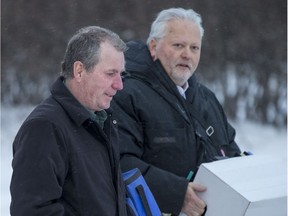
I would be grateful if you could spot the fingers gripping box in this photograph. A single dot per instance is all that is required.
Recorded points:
(245, 186)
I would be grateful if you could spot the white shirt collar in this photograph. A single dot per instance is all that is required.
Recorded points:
(182, 89)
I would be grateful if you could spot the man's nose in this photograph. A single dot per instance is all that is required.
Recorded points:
(118, 84)
(186, 53)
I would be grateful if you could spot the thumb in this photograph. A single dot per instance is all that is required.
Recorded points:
(197, 187)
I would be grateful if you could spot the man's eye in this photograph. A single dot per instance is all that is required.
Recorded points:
(111, 74)
(178, 45)
(195, 48)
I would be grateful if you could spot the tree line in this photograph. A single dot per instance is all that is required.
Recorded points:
(244, 51)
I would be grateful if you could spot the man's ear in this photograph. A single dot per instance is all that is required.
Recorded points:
(152, 48)
(78, 70)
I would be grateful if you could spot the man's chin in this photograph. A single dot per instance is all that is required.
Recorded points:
(181, 80)
(106, 106)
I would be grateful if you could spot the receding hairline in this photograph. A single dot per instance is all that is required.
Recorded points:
(159, 25)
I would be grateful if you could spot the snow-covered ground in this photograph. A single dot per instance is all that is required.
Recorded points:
(259, 139)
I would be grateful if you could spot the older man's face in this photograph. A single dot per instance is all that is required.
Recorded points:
(179, 50)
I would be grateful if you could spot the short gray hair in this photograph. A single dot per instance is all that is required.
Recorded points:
(84, 46)
(159, 25)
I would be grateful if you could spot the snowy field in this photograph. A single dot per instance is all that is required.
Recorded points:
(259, 139)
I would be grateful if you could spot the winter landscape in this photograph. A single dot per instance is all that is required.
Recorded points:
(259, 139)
(243, 60)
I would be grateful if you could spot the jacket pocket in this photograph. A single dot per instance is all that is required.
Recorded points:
(165, 137)
(169, 148)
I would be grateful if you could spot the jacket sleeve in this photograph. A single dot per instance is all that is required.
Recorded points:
(229, 133)
(232, 149)
(168, 189)
(38, 170)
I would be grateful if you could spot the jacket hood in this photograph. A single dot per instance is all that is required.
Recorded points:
(140, 65)
(137, 57)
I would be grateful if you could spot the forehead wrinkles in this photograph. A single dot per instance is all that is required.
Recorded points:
(181, 29)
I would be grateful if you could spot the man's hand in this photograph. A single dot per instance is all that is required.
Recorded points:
(193, 205)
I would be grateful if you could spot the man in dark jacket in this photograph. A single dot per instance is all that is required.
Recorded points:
(168, 122)
(66, 154)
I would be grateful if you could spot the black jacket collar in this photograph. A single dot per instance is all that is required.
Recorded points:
(64, 97)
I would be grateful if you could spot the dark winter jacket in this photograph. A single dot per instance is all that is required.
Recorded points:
(163, 134)
(64, 163)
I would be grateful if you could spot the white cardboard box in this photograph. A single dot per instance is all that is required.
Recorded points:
(245, 186)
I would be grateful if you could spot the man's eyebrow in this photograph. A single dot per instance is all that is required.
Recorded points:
(112, 70)
(115, 71)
